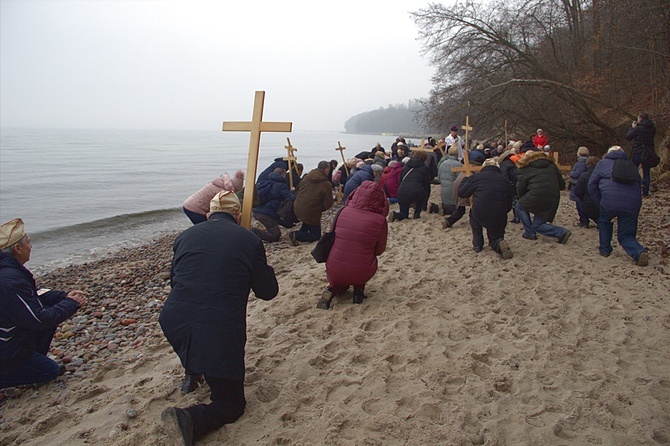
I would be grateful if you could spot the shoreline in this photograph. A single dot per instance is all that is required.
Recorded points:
(557, 344)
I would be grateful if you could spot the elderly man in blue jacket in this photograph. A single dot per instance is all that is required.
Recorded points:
(216, 264)
(28, 318)
(617, 200)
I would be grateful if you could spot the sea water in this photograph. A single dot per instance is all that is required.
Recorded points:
(85, 193)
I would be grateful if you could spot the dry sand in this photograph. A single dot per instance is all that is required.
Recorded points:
(557, 346)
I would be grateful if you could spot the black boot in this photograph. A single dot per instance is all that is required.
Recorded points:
(178, 423)
(358, 296)
(190, 382)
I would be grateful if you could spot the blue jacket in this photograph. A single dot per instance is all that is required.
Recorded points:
(578, 169)
(278, 193)
(23, 314)
(612, 195)
(365, 174)
(277, 163)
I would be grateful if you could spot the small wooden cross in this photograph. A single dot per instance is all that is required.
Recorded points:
(421, 148)
(467, 129)
(256, 126)
(290, 159)
(342, 149)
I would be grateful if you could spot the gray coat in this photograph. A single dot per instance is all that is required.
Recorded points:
(447, 178)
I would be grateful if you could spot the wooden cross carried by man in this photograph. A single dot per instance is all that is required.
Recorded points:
(256, 126)
(290, 160)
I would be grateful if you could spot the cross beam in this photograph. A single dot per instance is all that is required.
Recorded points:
(255, 126)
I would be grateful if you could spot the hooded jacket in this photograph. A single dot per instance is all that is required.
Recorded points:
(315, 195)
(539, 184)
(360, 236)
(447, 178)
(642, 135)
(365, 174)
(278, 193)
(414, 181)
(578, 169)
(492, 196)
(215, 265)
(23, 314)
(199, 201)
(610, 194)
(393, 181)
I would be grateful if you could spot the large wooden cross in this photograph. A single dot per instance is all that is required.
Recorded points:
(256, 126)
(290, 159)
(341, 150)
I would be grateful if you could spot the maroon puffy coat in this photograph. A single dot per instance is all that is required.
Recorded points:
(360, 236)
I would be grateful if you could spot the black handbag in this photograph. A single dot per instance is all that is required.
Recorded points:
(325, 243)
(650, 158)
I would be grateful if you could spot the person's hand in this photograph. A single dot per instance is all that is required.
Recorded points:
(79, 297)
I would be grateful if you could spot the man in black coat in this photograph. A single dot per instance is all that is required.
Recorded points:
(491, 203)
(216, 263)
(642, 132)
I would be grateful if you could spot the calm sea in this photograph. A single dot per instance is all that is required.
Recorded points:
(85, 193)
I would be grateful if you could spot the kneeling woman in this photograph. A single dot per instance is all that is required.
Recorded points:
(360, 236)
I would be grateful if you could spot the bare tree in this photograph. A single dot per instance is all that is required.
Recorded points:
(562, 65)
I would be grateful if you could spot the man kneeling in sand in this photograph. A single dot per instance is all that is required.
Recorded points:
(491, 203)
(216, 263)
(28, 319)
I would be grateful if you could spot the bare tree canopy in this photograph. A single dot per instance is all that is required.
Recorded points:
(581, 70)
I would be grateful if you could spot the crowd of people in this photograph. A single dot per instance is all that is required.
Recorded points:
(217, 263)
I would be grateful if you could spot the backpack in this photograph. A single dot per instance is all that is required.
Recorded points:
(286, 214)
(624, 171)
(264, 188)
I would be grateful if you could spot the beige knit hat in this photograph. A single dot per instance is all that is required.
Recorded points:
(225, 201)
(11, 232)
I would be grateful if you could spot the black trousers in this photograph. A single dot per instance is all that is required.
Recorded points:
(456, 215)
(227, 406)
(494, 234)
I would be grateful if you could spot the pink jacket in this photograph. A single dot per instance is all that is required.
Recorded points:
(199, 201)
(360, 236)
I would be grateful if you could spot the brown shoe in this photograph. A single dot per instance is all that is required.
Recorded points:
(643, 259)
(326, 299)
(292, 239)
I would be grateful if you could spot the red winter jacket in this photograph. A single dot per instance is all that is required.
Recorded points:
(393, 181)
(540, 140)
(360, 236)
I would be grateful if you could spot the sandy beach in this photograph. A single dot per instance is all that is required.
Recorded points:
(557, 346)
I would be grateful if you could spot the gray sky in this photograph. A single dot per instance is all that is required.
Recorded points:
(191, 64)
